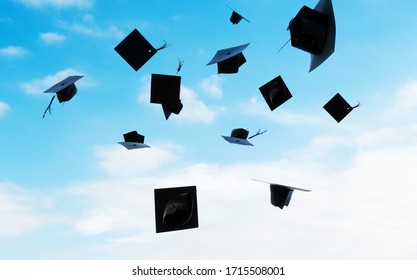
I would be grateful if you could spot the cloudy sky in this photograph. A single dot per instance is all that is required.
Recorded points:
(69, 191)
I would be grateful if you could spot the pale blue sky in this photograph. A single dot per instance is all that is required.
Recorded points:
(68, 190)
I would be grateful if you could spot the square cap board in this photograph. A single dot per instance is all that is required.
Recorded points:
(338, 107)
(175, 208)
(135, 50)
(275, 92)
(165, 89)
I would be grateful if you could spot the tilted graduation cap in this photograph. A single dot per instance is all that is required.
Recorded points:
(280, 194)
(175, 208)
(314, 31)
(165, 90)
(136, 50)
(229, 60)
(235, 18)
(275, 92)
(338, 107)
(64, 90)
(133, 140)
(240, 136)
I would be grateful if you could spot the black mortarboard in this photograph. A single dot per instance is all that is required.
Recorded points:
(64, 90)
(229, 60)
(165, 90)
(133, 140)
(338, 107)
(314, 31)
(175, 208)
(275, 92)
(238, 136)
(136, 50)
(235, 18)
(280, 194)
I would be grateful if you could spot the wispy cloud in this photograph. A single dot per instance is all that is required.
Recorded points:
(21, 210)
(116, 160)
(4, 108)
(88, 27)
(51, 38)
(406, 96)
(13, 51)
(257, 107)
(212, 85)
(58, 3)
(38, 86)
(194, 109)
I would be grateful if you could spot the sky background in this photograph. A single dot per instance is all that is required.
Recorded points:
(69, 191)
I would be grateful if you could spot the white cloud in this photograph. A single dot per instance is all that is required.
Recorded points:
(58, 3)
(257, 107)
(194, 109)
(4, 108)
(94, 31)
(117, 160)
(212, 85)
(406, 96)
(20, 210)
(38, 86)
(363, 211)
(13, 51)
(89, 28)
(52, 38)
(105, 219)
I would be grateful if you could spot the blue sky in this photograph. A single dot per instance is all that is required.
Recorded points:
(69, 191)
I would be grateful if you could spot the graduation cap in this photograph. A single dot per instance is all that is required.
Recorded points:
(64, 90)
(275, 92)
(165, 90)
(235, 18)
(240, 136)
(133, 140)
(280, 194)
(136, 50)
(229, 60)
(338, 107)
(314, 31)
(175, 208)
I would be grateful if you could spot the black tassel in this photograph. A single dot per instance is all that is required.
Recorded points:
(257, 133)
(49, 107)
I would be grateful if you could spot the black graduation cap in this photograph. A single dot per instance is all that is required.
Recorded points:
(280, 194)
(165, 90)
(64, 90)
(175, 208)
(240, 136)
(133, 140)
(136, 50)
(229, 60)
(338, 107)
(235, 18)
(314, 31)
(275, 92)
